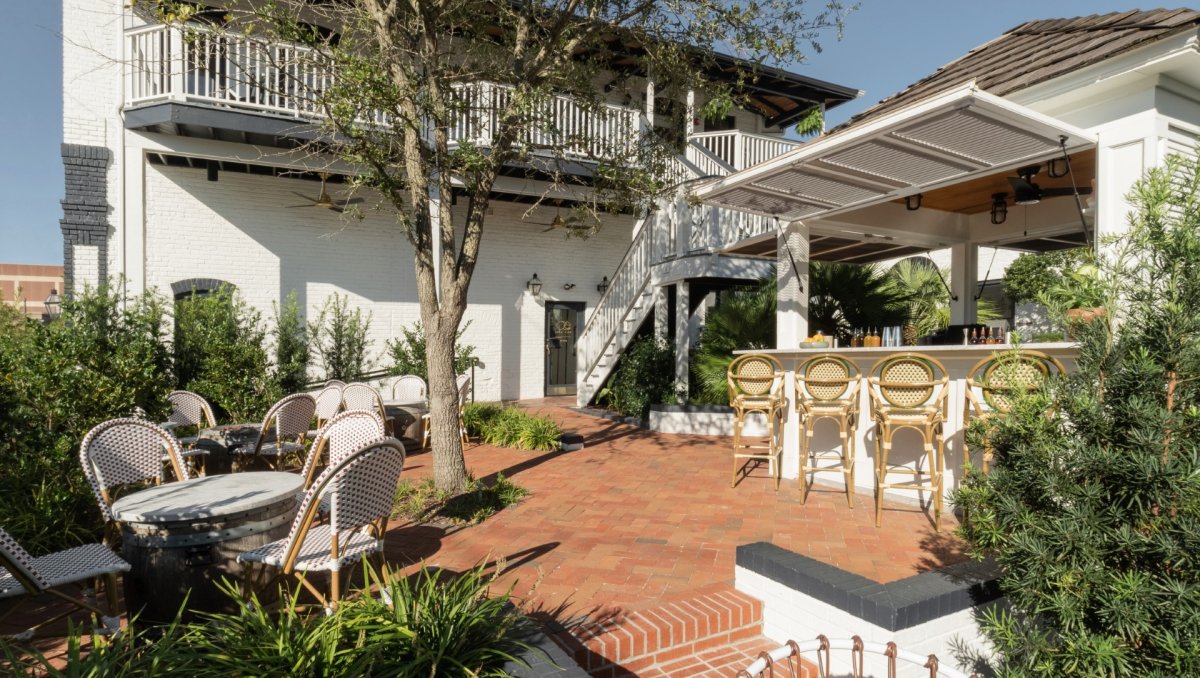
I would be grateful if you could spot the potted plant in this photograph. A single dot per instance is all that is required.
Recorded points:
(1080, 294)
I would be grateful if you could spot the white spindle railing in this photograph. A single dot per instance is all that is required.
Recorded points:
(626, 285)
(709, 164)
(742, 149)
(232, 70)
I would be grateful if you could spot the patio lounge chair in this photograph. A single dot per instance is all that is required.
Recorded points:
(122, 452)
(361, 489)
(290, 418)
(756, 385)
(908, 390)
(827, 388)
(23, 575)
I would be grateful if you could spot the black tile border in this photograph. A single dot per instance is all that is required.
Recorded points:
(893, 606)
(611, 416)
(544, 659)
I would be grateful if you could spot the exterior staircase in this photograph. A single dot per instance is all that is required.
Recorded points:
(674, 242)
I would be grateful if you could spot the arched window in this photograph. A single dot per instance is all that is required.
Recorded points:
(193, 287)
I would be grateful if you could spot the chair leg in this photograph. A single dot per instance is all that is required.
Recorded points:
(940, 481)
(805, 444)
(737, 444)
(775, 446)
(847, 462)
(884, 444)
(335, 587)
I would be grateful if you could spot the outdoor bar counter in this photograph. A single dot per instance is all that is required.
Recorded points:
(958, 361)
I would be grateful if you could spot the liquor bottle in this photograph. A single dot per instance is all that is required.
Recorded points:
(975, 336)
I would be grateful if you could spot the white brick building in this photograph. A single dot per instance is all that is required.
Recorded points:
(173, 181)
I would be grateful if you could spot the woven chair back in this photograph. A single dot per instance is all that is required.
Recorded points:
(18, 562)
(1003, 378)
(828, 377)
(909, 380)
(291, 416)
(335, 382)
(753, 375)
(463, 382)
(343, 434)
(123, 451)
(362, 397)
(190, 409)
(409, 387)
(329, 402)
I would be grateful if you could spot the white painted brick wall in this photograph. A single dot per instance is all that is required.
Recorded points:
(240, 229)
(790, 614)
(87, 266)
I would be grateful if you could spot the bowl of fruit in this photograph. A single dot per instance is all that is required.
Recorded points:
(817, 340)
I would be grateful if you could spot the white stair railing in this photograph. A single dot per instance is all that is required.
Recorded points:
(740, 149)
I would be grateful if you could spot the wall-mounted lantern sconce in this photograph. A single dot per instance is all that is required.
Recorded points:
(568, 286)
(912, 203)
(603, 286)
(53, 305)
(999, 208)
(534, 285)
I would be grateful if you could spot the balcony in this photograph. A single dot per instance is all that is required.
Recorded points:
(720, 153)
(229, 86)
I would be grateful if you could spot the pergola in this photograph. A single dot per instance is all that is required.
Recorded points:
(850, 196)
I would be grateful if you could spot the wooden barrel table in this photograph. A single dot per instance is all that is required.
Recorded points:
(181, 539)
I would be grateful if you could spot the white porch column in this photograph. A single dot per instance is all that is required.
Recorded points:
(435, 232)
(682, 339)
(964, 283)
(791, 318)
(662, 312)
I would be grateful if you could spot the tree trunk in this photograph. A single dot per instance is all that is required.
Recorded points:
(449, 465)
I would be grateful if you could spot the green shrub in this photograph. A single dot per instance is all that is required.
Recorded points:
(220, 353)
(408, 352)
(742, 319)
(104, 357)
(1092, 508)
(1031, 274)
(291, 346)
(503, 426)
(339, 337)
(645, 375)
(478, 502)
(429, 624)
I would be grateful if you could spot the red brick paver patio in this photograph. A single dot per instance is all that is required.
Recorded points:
(639, 529)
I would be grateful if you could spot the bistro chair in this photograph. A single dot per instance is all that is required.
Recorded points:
(360, 491)
(366, 397)
(410, 388)
(995, 382)
(463, 383)
(329, 403)
(827, 388)
(190, 409)
(23, 575)
(756, 385)
(335, 382)
(288, 419)
(344, 433)
(908, 390)
(122, 452)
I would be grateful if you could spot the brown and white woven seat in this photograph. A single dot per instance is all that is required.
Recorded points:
(123, 452)
(410, 388)
(827, 388)
(289, 419)
(329, 403)
(24, 575)
(359, 396)
(908, 390)
(463, 384)
(994, 383)
(756, 386)
(361, 489)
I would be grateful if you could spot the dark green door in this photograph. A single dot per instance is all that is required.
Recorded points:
(563, 323)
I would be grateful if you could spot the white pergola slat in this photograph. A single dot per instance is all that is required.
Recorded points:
(942, 140)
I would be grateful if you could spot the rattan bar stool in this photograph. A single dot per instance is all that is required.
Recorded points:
(756, 385)
(908, 390)
(996, 381)
(827, 388)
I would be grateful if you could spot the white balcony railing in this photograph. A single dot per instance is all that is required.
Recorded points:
(740, 149)
(231, 70)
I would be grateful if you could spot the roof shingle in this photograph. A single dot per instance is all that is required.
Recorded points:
(1041, 50)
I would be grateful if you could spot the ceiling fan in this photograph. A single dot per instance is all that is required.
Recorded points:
(1025, 192)
(324, 201)
(571, 223)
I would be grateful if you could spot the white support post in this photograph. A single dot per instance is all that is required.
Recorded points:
(964, 274)
(662, 312)
(682, 340)
(690, 123)
(791, 324)
(683, 229)
(435, 231)
(650, 100)
(178, 64)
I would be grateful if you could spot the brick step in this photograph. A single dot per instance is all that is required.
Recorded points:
(630, 643)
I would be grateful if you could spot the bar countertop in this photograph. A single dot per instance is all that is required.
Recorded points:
(1056, 348)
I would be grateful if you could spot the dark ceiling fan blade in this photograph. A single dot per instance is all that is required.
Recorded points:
(1066, 190)
(304, 205)
(547, 230)
(1019, 185)
(337, 209)
(348, 201)
(308, 198)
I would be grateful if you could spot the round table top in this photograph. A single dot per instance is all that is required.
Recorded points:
(207, 497)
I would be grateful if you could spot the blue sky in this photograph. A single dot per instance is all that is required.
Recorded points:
(888, 44)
